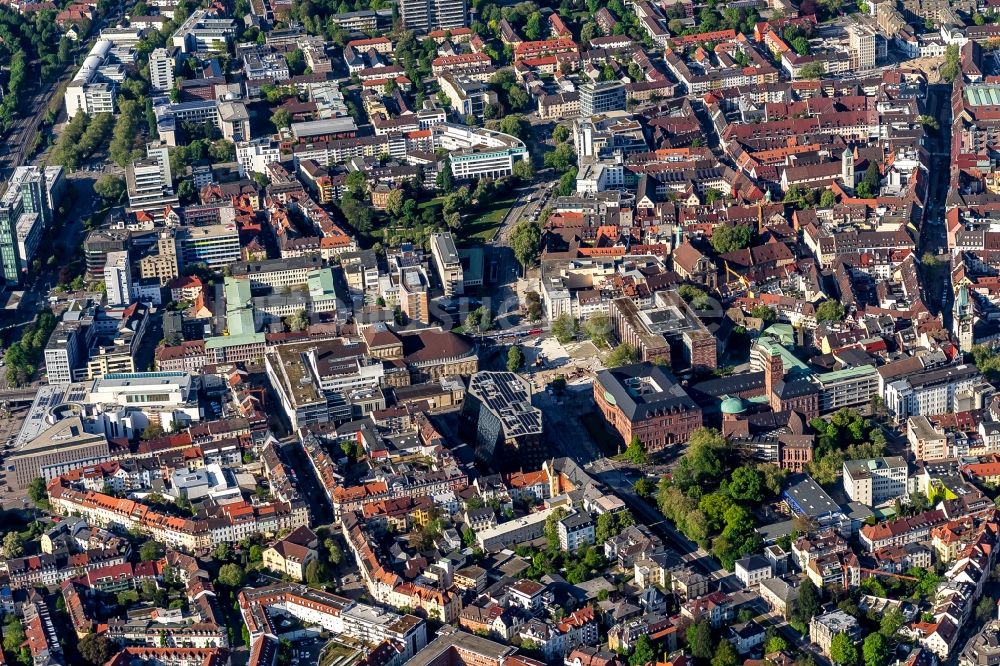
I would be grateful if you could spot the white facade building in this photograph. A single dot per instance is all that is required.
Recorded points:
(118, 279)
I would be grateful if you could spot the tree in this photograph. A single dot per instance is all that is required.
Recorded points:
(699, 639)
(643, 487)
(952, 63)
(445, 181)
(623, 354)
(96, 649)
(636, 452)
(13, 635)
(565, 327)
(930, 122)
(567, 182)
(812, 70)
(356, 183)
(560, 159)
(801, 45)
(186, 191)
(728, 238)
(516, 125)
(525, 241)
(231, 575)
(150, 551)
(37, 492)
(725, 654)
(984, 612)
(843, 651)
(110, 188)
(643, 652)
(876, 650)
(560, 134)
(765, 314)
(597, 329)
(524, 170)
(357, 213)
(316, 573)
(298, 321)
(533, 26)
(828, 199)
(515, 358)
(775, 643)
(746, 484)
(13, 545)
(533, 306)
(809, 600)
(281, 118)
(891, 622)
(830, 310)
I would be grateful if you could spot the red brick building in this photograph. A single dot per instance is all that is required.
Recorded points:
(646, 401)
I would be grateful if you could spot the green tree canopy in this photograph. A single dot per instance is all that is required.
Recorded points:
(730, 237)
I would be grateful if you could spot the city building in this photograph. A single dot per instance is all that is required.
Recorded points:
(929, 392)
(824, 627)
(752, 570)
(861, 40)
(423, 16)
(475, 153)
(161, 70)
(26, 210)
(467, 96)
(203, 32)
(94, 87)
(601, 97)
(576, 531)
(647, 402)
(118, 279)
(876, 481)
(215, 245)
(508, 430)
(447, 263)
(150, 183)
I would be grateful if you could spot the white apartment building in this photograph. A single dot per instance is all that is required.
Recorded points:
(118, 279)
(254, 156)
(423, 16)
(929, 392)
(150, 182)
(576, 531)
(161, 70)
(752, 570)
(876, 481)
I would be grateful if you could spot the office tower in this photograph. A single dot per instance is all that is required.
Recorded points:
(25, 213)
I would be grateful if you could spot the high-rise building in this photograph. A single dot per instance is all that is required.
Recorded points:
(163, 264)
(413, 294)
(427, 15)
(118, 279)
(861, 46)
(25, 212)
(149, 181)
(161, 70)
(601, 97)
(448, 263)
